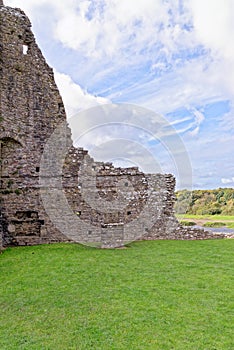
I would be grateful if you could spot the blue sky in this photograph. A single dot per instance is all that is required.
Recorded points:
(172, 57)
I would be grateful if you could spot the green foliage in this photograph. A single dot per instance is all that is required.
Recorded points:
(10, 183)
(205, 202)
(214, 224)
(187, 223)
(18, 192)
(154, 295)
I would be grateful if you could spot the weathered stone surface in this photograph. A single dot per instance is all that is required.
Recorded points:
(114, 205)
(30, 109)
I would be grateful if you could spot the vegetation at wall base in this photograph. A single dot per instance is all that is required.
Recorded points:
(187, 223)
(152, 295)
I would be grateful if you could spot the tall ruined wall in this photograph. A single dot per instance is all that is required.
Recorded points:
(30, 109)
(45, 198)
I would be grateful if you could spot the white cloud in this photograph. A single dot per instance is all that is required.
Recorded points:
(227, 181)
(198, 120)
(104, 29)
(116, 29)
(227, 122)
(75, 99)
(115, 36)
(100, 28)
(127, 35)
(214, 28)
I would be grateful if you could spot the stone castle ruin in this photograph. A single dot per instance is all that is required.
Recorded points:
(69, 198)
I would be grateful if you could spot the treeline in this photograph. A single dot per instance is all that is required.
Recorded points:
(205, 202)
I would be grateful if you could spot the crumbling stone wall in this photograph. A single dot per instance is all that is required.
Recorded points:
(30, 109)
(79, 190)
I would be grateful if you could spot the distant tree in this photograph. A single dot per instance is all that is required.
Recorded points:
(205, 202)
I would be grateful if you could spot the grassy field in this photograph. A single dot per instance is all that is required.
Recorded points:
(153, 295)
(228, 220)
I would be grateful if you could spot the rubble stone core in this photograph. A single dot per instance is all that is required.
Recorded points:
(31, 110)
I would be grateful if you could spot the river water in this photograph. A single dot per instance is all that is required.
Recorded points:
(217, 229)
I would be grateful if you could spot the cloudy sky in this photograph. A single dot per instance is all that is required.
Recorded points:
(173, 58)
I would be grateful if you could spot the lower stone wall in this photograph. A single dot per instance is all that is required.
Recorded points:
(25, 221)
(91, 203)
(112, 235)
(185, 233)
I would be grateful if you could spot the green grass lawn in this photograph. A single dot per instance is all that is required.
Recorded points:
(153, 295)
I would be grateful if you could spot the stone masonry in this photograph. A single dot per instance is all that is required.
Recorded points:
(46, 199)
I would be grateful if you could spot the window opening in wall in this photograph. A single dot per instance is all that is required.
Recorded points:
(37, 169)
(129, 212)
(60, 106)
(25, 49)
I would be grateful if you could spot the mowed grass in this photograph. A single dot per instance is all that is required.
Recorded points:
(153, 295)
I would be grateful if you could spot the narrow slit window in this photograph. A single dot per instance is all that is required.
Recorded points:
(25, 49)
